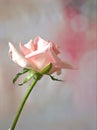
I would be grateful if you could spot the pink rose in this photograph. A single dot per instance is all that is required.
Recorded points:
(38, 54)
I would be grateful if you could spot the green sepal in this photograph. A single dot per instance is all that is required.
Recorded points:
(28, 77)
(25, 70)
(46, 69)
(37, 76)
(53, 78)
(31, 75)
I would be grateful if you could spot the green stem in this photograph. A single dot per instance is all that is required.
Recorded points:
(22, 104)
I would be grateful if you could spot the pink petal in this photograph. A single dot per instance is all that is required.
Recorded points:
(58, 64)
(40, 43)
(24, 49)
(31, 45)
(56, 49)
(43, 50)
(67, 65)
(17, 57)
(40, 59)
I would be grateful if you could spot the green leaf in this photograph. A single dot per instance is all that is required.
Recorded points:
(52, 77)
(25, 70)
(46, 69)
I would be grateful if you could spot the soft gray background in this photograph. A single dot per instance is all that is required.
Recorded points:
(52, 105)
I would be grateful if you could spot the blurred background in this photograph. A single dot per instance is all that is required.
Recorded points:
(72, 24)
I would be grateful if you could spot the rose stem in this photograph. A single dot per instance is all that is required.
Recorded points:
(23, 103)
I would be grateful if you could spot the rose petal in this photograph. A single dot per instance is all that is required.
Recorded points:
(40, 43)
(59, 63)
(40, 59)
(24, 49)
(17, 57)
(37, 54)
(31, 45)
(43, 50)
(55, 48)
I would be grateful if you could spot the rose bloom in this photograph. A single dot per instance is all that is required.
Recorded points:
(38, 54)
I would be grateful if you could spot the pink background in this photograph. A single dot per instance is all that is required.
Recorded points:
(71, 24)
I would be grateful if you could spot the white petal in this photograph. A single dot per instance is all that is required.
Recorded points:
(28, 45)
(17, 57)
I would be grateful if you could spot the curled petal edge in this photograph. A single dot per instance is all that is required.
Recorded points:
(17, 57)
